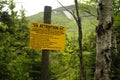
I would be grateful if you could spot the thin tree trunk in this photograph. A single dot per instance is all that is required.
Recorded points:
(78, 20)
(104, 35)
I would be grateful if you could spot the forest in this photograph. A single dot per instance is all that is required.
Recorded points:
(93, 55)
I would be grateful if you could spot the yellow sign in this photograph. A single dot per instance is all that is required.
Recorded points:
(47, 36)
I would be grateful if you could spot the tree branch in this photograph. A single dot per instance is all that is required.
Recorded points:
(71, 12)
(77, 14)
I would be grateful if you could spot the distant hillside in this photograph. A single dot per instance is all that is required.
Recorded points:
(61, 17)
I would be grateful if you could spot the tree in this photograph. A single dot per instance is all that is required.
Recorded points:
(78, 21)
(104, 34)
(4, 38)
(14, 36)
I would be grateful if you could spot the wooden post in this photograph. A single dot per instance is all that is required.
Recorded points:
(45, 53)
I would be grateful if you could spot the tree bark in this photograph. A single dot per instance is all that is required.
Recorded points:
(103, 45)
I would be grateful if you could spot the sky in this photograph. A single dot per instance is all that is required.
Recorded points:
(34, 6)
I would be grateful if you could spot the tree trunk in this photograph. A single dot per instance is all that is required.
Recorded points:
(78, 21)
(104, 35)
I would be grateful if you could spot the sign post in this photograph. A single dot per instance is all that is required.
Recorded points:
(45, 53)
(46, 36)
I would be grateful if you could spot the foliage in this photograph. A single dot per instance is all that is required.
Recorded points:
(89, 43)
(116, 6)
(19, 62)
(116, 56)
(66, 63)
(12, 45)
